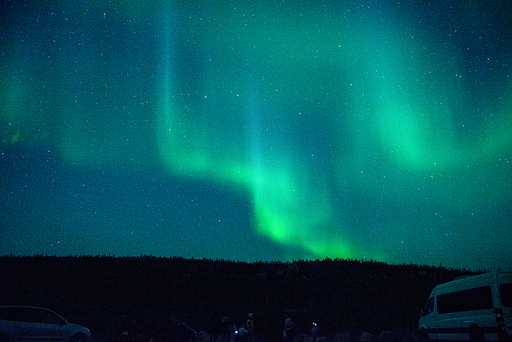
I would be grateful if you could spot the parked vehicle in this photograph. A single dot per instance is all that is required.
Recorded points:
(28, 323)
(475, 308)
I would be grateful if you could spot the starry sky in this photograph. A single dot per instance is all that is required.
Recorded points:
(257, 130)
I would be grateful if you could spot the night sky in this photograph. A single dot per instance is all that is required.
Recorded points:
(258, 130)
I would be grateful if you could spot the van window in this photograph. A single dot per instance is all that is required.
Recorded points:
(479, 298)
(506, 295)
(27, 315)
(50, 317)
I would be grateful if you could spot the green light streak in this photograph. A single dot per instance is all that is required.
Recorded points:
(343, 124)
(380, 88)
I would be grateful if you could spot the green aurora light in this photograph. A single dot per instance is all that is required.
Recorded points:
(380, 97)
(354, 130)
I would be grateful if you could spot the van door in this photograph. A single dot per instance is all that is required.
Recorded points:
(27, 324)
(53, 326)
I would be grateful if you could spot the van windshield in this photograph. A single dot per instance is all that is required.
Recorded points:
(506, 295)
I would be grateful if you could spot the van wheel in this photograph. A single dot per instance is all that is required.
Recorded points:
(475, 334)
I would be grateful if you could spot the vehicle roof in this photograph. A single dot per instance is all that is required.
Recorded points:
(473, 280)
(23, 306)
(29, 307)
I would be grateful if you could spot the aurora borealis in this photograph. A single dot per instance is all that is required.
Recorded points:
(258, 130)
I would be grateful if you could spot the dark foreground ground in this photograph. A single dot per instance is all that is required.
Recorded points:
(349, 300)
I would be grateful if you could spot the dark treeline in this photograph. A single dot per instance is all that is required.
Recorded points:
(342, 295)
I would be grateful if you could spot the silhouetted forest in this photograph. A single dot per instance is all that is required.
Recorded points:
(342, 295)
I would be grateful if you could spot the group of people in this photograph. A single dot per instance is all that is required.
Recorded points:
(258, 329)
(290, 333)
(251, 332)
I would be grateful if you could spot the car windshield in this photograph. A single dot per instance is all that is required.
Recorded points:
(429, 307)
(50, 317)
(506, 295)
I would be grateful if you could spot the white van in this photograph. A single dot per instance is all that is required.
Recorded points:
(473, 308)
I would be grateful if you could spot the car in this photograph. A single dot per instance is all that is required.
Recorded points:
(30, 323)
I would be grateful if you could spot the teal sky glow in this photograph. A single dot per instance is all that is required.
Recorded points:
(258, 131)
